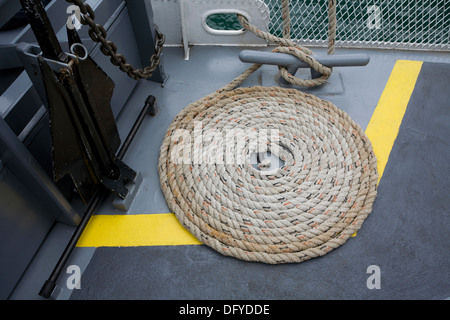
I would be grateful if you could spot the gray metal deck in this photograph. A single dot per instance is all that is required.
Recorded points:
(407, 235)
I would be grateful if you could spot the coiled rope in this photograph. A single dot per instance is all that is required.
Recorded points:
(316, 201)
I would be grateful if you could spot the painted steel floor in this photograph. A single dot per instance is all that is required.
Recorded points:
(406, 236)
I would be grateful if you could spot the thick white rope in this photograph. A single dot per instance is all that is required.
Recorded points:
(310, 206)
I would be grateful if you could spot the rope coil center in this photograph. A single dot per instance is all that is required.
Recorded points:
(311, 205)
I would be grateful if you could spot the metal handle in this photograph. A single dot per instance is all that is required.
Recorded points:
(287, 60)
(293, 64)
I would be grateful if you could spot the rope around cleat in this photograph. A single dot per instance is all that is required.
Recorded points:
(311, 205)
(285, 45)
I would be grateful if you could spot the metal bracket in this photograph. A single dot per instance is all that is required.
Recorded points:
(28, 55)
(77, 94)
(19, 160)
(293, 64)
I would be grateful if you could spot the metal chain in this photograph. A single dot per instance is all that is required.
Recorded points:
(98, 34)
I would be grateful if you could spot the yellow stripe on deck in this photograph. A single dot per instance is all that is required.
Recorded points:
(387, 118)
(135, 231)
(165, 230)
(384, 126)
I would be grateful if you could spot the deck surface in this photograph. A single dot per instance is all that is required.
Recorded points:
(406, 236)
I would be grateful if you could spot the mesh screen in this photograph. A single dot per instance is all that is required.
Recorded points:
(411, 24)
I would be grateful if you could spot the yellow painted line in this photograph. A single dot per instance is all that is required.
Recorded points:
(385, 123)
(384, 126)
(135, 231)
(165, 230)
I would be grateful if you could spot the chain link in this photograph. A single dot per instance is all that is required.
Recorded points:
(98, 34)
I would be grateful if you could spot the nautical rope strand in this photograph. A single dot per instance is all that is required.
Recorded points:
(332, 26)
(288, 46)
(286, 14)
(318, 198)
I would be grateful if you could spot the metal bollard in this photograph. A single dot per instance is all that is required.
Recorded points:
(293, 64)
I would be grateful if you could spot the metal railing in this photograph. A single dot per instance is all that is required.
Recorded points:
(402, 24)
